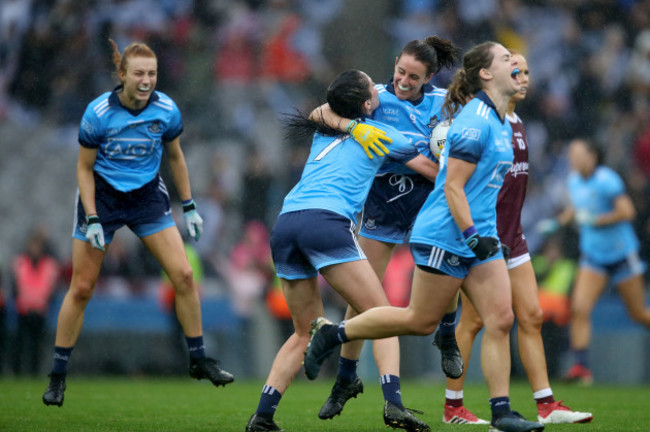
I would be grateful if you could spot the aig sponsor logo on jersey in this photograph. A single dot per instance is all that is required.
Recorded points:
(389, 111)
(471, 134)
(128, 148)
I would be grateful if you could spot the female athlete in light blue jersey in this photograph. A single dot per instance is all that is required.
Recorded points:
(525, 298)
(315, 232)
(413, 106)
(454, 239)
(122, 136)
(608, 245)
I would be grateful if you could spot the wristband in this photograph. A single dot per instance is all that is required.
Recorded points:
(469, 232)
(351, 126)
(92, 219)
(189, 205)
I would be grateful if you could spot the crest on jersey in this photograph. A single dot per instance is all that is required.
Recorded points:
(154, 127)
(433, 122)
(453, 260)
(370, 224)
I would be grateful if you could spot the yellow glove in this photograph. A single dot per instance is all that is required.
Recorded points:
(369, 137)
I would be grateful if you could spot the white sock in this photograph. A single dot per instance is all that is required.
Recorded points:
(543, 393)
(453, 394)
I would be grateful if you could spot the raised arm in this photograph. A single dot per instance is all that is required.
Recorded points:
(369, 137)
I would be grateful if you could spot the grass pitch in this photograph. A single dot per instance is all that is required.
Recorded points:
(148, 404)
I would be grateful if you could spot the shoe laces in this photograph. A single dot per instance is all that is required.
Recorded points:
(462, 411)
(414, 411)
(559, 406)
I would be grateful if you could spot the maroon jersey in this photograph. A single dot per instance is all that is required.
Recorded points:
(513, 192)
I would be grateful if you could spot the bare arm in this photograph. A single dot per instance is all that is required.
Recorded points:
(325, 114)
(458, 172)
(424, 166)
(623, 211)
(178, 169)
(566, 216)
(86, 179)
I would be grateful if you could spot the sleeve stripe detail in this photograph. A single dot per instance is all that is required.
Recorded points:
(161, 104)
(101, 108)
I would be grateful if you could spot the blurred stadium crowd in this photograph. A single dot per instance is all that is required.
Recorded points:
(235, 66)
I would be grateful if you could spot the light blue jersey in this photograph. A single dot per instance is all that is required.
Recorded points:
(477, 135)
(129, 144)
(596, 195)
(338, 174)
(415, 119)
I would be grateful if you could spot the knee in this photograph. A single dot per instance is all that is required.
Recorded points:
(531, 319)
(81, 290)
(579, 311)
(421, 325)
(183, 279)
(471, 325)
(500, 321)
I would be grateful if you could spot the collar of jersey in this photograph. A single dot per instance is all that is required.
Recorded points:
(486, 99)
(425, 88)
(113, 99)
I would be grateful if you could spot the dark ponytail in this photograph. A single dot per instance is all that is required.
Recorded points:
(434, 52)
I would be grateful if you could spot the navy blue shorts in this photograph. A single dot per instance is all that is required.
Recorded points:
(145, 210)
(433, 257)
(393, 203)
(619, 271)
(303, 242)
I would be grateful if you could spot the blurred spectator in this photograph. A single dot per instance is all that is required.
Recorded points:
(277, 306)
(236, 69)
(249, 274)
(211, 244)
(555, 271)
(256, 185)
(120, 269)
(35, 273)
(639, 70)
(398, 276)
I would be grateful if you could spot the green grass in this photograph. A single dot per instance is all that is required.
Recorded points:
(147, 404)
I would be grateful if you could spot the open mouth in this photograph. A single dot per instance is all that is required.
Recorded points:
(515, 74)
(403, 88)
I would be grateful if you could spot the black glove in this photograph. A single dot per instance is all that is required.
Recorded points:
(483, 247)
(505, 249)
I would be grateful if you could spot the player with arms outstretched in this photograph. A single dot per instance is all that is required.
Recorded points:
(123, 134)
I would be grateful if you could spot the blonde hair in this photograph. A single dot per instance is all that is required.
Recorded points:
(135, 49)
